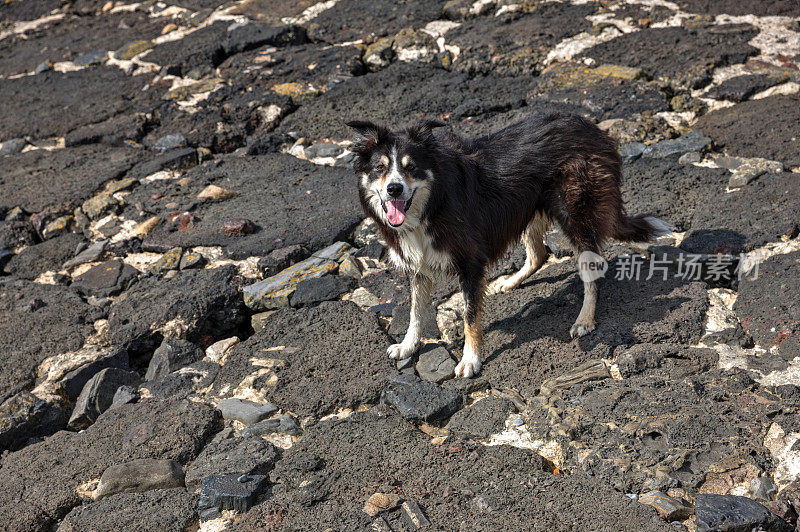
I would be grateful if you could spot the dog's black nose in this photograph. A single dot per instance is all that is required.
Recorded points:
(394, 189)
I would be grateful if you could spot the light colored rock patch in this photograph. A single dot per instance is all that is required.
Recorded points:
(310, 13)
(780, 446)
(790, 87)
(18, 28)
(572, 46)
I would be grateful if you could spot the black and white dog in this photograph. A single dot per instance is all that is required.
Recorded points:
(445, 204)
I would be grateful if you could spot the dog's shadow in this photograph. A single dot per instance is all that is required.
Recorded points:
(541, 311)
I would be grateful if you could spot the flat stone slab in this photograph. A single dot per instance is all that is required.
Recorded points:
(235, 492)
(740, 88)
(419, 400)
(678, 55)
(767, 306)
(74, 99)
(288, 200)
(741, 7)
(238, 455)
(60, 179)
(356, 19)
(435, 365)
(683, 195)
(515, 43)
(757, 128)
(331, 65)
(480, 487)
(276, 291)
(731, 512)
(173, 509)
(143, 430)
(526, 335)
(106, 279)
(44, 257)
(70, 37)
(143, 474)
(403, 90)
(58, 316)
(246, 412)
(482, 419)
(324, 358)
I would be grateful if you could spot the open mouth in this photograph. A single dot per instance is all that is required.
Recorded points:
(396, 210)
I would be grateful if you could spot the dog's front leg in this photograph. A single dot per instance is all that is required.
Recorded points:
(420, 304)
(473, 287)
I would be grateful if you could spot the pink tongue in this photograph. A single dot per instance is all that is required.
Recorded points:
(396, 212)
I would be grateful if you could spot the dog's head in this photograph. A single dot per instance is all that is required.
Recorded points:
(396, 171)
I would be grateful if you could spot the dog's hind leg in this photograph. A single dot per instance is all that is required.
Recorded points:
(420, 304)
(585, 322)
(533, 239)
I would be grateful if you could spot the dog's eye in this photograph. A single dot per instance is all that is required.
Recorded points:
(410, 167)
(380, 168)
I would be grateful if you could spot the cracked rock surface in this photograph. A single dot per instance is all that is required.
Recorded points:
(195, 316)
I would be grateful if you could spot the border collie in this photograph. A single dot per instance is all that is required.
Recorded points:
(448, 205)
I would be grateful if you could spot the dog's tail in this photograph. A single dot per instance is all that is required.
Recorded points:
(642, 228)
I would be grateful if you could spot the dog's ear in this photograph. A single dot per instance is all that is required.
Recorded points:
(421, 131)
(368, 135)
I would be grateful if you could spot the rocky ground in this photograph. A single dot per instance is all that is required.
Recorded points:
(194, 315)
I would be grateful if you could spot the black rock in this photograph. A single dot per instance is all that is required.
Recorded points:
(373, 250)
(435, 365)
(12, 146)
(243, 455)
(106, 279)
(732, 513)
(74, 381)
(169, 142)
(89, 254)
(482, 419)
(247, 412)
(235, 492)
(178, 159)
(253, 35)
(206, 301)
(172, 509)
(191, 259)
(270, 143)
(143, 474)
(280, 259)
(182, 383)
(25, 416)
(323, 149)
(285, 424)
(95, 57)
(631, 151)
(5, 257)
(741, 88)
(418, 400)
(316, 290)
(47, 256)
(97, 396)
(173, 353)
(123, 396)
(693, 141)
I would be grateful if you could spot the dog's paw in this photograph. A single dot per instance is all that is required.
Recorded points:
(468, 367)
(399, 351)
(501, 285)
(581, 329)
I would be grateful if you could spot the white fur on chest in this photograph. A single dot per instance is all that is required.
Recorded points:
(419, 255)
